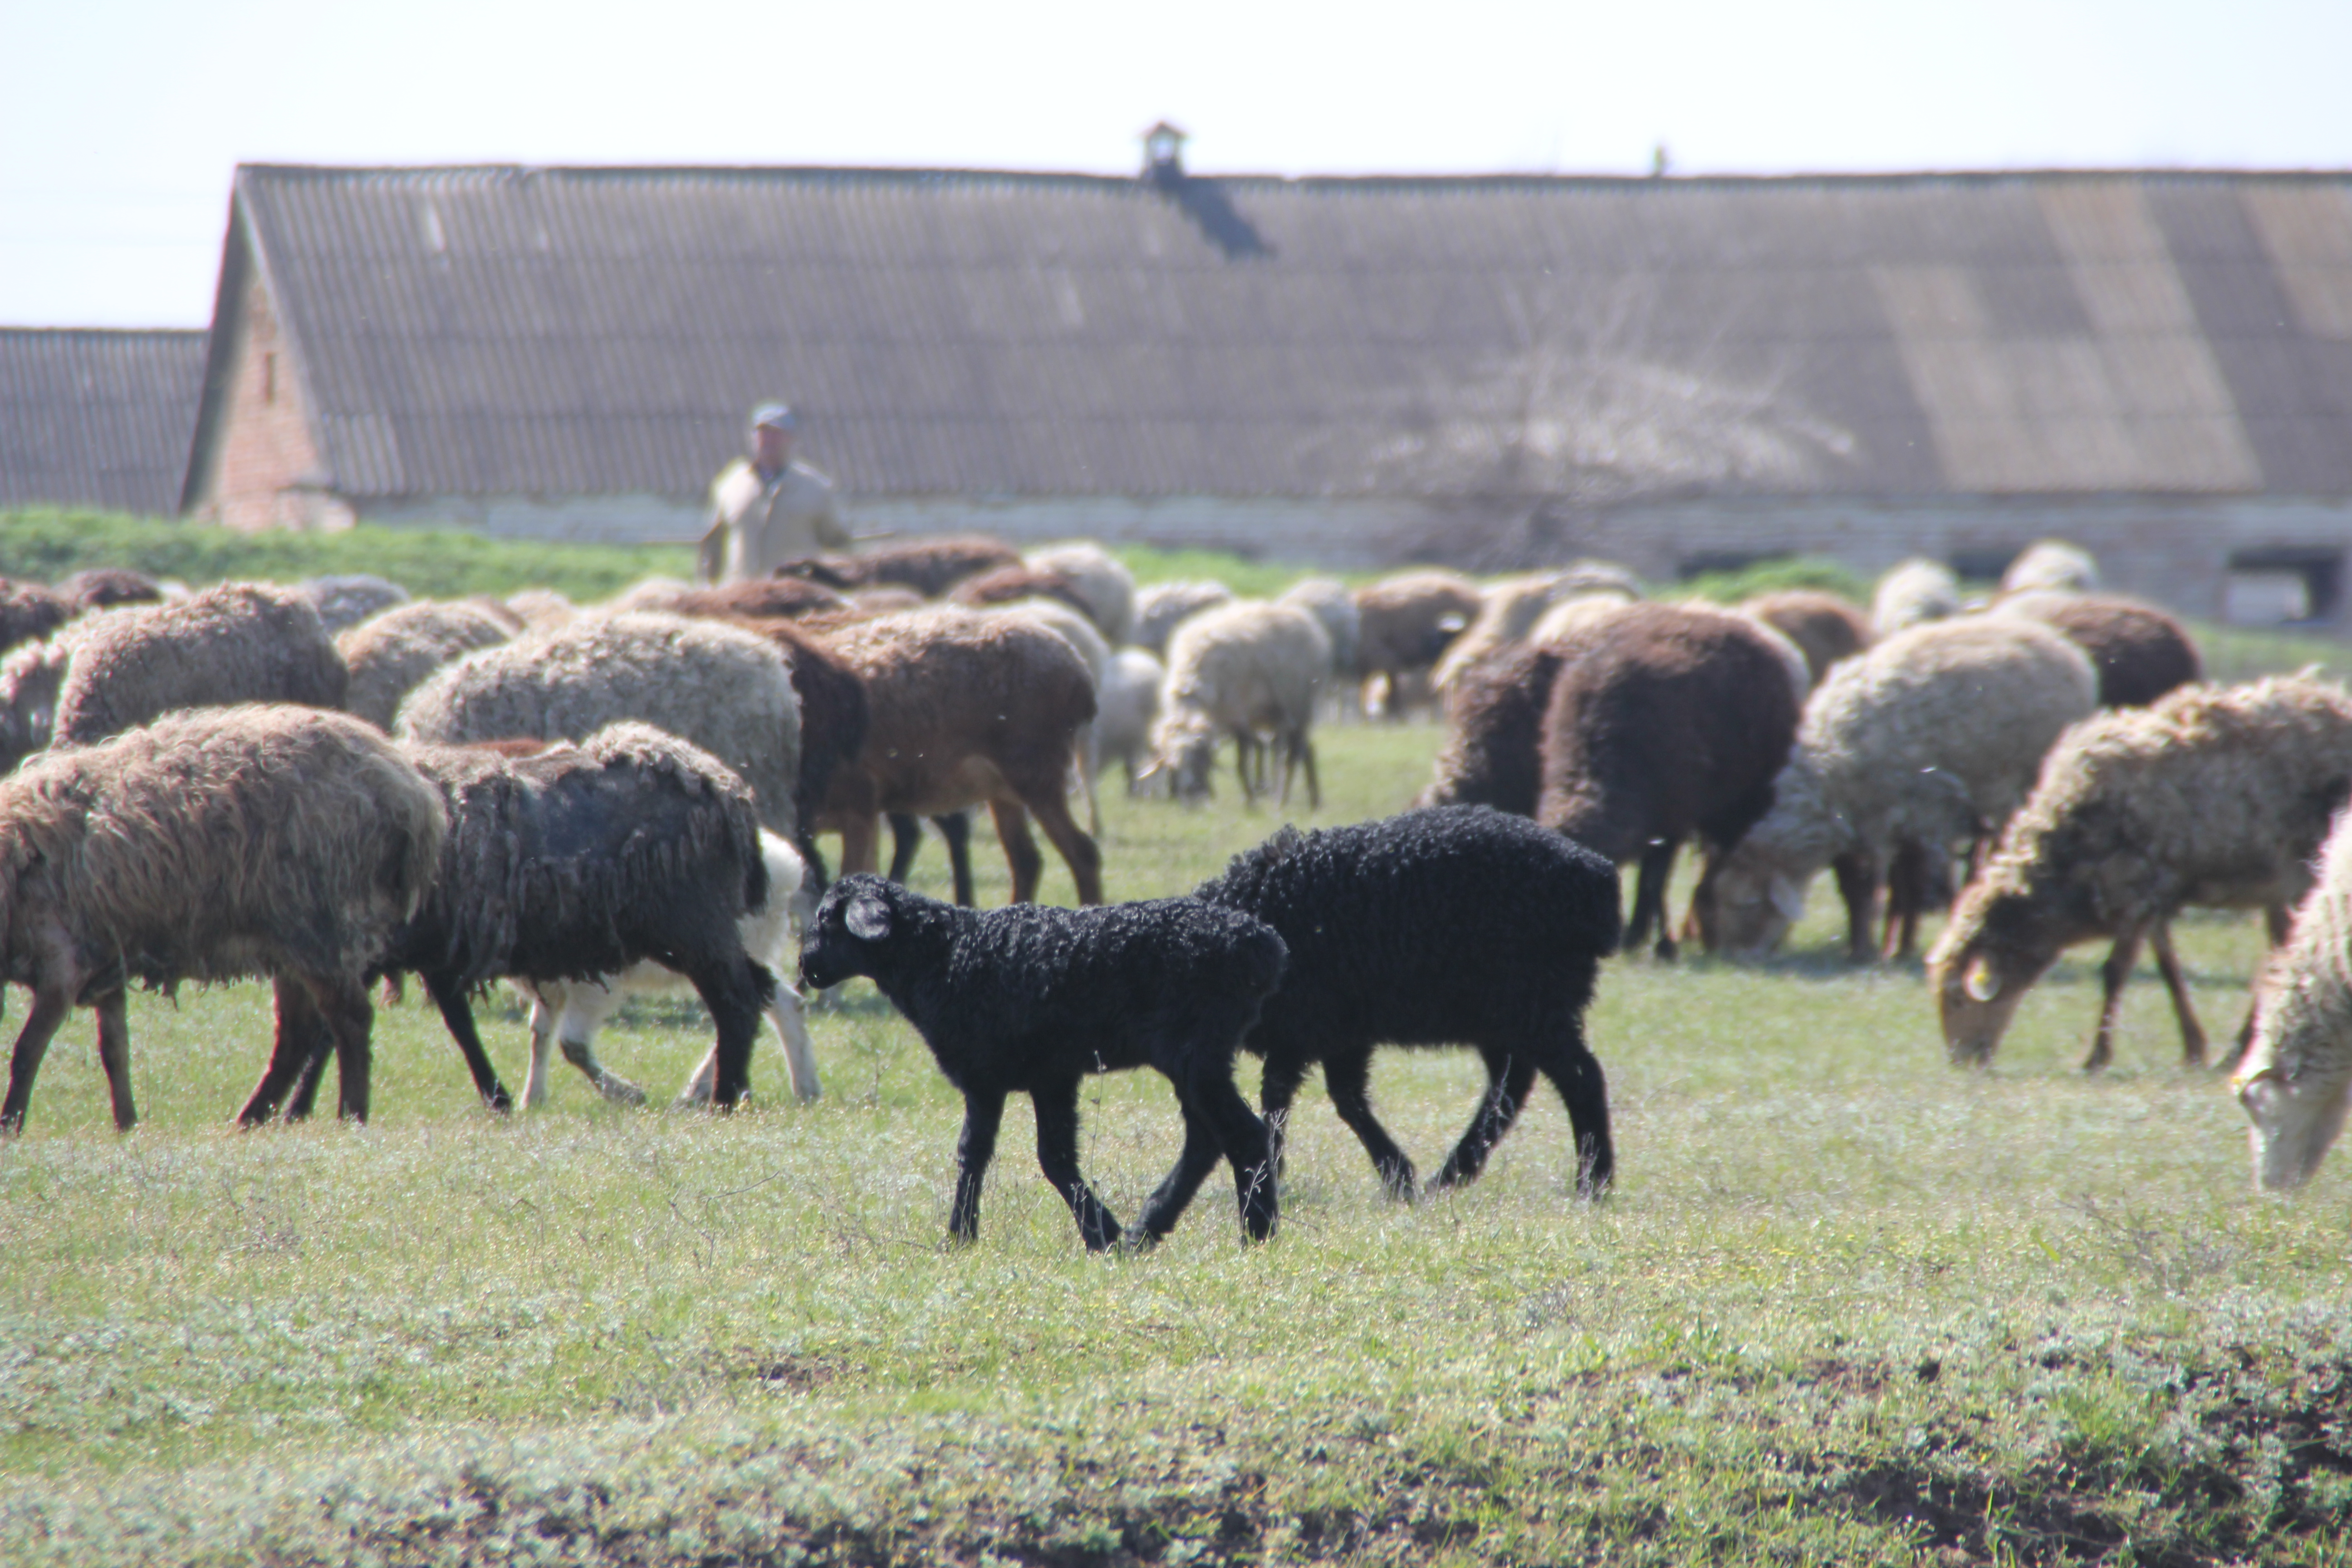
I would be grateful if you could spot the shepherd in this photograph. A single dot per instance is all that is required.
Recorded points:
(765, 509)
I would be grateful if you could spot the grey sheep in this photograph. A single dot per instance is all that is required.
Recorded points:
(1329, 602)
(726, 689)
(1032, 999)
(2216, 796)
(1104, 586)
(1931, 737)
(572, 863)
(208, 846)
(1455, 926)
(1162, 607)
(233, 643)
(391, 655)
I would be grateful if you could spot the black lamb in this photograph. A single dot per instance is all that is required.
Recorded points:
(1447, 925)
(1031, 998)
(573, 863)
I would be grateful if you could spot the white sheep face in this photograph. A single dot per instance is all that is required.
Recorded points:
(2296, 1120)
(1750, 907)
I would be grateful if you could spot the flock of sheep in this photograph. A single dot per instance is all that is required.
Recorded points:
(329, 785)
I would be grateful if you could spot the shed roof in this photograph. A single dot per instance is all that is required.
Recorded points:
(93, 418)
(515, 330)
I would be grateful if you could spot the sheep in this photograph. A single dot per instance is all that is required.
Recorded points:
(724, 689)
(1825, 629)
(1127, 701)
(1667, 721)
(1576, 614)
(233, 643)
(1032, 999)
(1917, 590)
(391, 655)
(1248, 668)
(110, 587)
(966, 708)
(2140, 651)
(30, 612)
(542, 609)
(929, 566)
(573, 863)
(1104, 586)
(2053, 564)
(1077, 628)
(1405, 622)
(834, 716)
(1933, 732)
(1003, 585)
(1160, 608)
(1329, 602)
(760, 598)
(2297, 1076)
(1493, 753)
(269, 840)
(1507, 610)
(572, 1011)
(1457, 925)
(344, 601)
(2219, 796)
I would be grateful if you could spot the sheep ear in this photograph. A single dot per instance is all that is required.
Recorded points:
(1980, 983)
(867, 918)
(2260, 1094)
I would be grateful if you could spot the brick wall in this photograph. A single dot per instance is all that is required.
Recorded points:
(267, 473)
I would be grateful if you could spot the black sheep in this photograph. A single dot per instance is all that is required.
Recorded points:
(573, 864)
(1448, 925)
(1031, 998)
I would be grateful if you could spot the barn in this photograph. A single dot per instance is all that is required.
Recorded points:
(1679, 374)
(93, 418)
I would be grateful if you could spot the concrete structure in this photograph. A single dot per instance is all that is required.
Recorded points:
(1488, 372)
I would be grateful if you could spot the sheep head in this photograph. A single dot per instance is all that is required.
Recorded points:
(1978, 987)
(1747, 904)
(854, 918)
(2295, 1081)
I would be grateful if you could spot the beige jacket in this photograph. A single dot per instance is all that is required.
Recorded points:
(755, 528)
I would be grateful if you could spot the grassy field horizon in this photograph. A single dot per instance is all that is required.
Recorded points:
(1846, 1305)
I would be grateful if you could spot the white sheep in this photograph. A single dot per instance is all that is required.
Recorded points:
(1249, 669)
(1160, 608)
(2052, 566)
(1917, 591)
(1125, 703)
(2296, 1078)
(1099, 579)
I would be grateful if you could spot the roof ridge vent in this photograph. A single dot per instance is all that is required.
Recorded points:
(1164, 154)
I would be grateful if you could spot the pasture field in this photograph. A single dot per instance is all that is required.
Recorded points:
(1846, 1305)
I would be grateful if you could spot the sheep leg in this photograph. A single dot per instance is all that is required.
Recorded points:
(1857, 881)
(1057, 1105)
(1245, 748)
(114, 1055)
(1079, 851)
(1509, 1076)
(1210, 1095)
(955, 830)
(1650, 899)
(351, 1017)
(859, 833)
(1089, 763)
(1313, 787)
(1276, 1089)
(296, 1058)
(2168, 964)
(736, 992)
(1348, 1078)
(982, 1110)
(2112, 974)
(584, 1006)
(817, 879)
(457, 1015)
(1907, 895)
(791, 1021)
(1021, 856)
(906, 842)
(1175, 1195)
(1584, 1088)
(49, 1010)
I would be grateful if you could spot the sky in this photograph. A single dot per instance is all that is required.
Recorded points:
(123, 121)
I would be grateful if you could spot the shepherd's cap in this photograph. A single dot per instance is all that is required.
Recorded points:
(774, 417)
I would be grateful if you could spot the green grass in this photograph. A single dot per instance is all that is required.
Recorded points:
(1847, 1306)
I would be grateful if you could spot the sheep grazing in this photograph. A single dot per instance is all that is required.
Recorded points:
(1031, 1000)
(966, 708)
(1249, 669)
(228, 842)
(1824, 627)
(1493, 753)
(1917, 591)
(929, 566)
(1127, 701)
(570, 1012)
(238, 642)
(391, 655)
(1104, 586)
(1329, 602)
(2052, 566)
(1931, 734)
(1405, 624)
(2140, 652)
(29, 612)
(1160, 608)
(346, 600)
(2297, 1077)
(724, 689)
(570, 863)
(110, 587)
(1003, 585)
(1667, 721)
(2219, 796)
(1457, 926)
(1507, 612)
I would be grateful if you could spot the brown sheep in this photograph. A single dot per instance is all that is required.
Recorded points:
(966, 708)
(834, 718)
(1669, 720)
(1404, 625)
(29, 612)
(2139, 652)
(1493, 745)
(110, 587)
(225, 842)
(1010, 584)
(929, 566)
(1824, 627)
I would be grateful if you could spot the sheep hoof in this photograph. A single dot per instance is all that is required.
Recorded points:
(620, 1090)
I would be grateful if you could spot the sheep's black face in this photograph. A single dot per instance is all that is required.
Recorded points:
(854, 919)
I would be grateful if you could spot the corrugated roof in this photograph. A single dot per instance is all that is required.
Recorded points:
(92, 417)
(505, 331)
